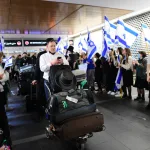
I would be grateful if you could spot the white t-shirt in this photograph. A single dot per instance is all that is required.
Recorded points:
(148, 60)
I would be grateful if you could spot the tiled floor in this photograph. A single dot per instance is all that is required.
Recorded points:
(127, 127)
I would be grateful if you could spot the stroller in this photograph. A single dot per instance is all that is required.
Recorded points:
(72, 112)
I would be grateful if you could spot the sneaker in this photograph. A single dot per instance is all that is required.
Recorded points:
(118, 95)
(112, 93)
(109, 92)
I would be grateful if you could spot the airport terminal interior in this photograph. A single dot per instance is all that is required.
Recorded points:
(74, 75)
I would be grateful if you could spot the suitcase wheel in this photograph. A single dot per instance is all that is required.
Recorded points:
(80, 146)
(49, 134)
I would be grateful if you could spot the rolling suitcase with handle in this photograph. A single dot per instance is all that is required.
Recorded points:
(82, 125)
(30, 100)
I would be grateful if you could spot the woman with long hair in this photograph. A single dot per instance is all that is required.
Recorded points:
(127, 71)
(3, 118)
(141, 83)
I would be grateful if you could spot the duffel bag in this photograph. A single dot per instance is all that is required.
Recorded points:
(67, 101)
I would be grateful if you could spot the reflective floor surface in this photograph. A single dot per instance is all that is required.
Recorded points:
(127, 126)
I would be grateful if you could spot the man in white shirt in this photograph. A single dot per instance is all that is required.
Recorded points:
(49, 59)
(148, 79)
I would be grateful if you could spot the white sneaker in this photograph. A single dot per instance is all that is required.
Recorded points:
(112, 93)
(118, 95)
(109, 92)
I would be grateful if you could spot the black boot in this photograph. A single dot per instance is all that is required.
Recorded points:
(138, 98)
(142, 100)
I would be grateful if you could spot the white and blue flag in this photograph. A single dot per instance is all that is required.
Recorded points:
(125, 34)
(146, 32)
(2, 44)
(109, 32)
(91, 47)
(66, 44)
(60, 46)
(131, 35)
(8, 62)
(82, 44)
(105, 46)
(119, 80)
(120, 38)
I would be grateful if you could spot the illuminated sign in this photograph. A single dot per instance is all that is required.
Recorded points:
(13, 43)
(34, 42)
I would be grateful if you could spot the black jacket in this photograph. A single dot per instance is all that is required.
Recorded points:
(38, 75)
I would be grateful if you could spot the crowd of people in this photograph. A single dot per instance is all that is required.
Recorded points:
(101, 70)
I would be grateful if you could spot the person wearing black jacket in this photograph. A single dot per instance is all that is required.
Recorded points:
(98, 71)
(24, 60)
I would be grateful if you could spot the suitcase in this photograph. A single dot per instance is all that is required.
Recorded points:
(80, 75)
(81, 125)
(30, 100)
(61, 108)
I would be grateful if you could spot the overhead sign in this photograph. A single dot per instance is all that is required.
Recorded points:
(13, 43)
(34, 42)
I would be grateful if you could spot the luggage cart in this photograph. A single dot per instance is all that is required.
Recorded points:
(77, 128)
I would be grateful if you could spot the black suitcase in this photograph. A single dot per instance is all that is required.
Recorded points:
(61, 108)
(30, 100)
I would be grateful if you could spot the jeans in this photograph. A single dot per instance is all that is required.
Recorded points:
(47, 90)
(91, 77)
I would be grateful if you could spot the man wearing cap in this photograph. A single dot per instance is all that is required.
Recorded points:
(49, 59)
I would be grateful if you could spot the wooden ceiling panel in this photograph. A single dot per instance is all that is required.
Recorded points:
(25, 16)
(52, 16)
(89, 16)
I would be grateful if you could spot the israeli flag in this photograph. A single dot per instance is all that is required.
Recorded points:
(110, 32)
(119, 79)
(105, 47)
(125, 34)
(120, 38)
(8, 62)
(2, 44)
(91, 47)
(82, 44)
(66, 44)
(60, 46)
(146, 32)
(131, 35)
